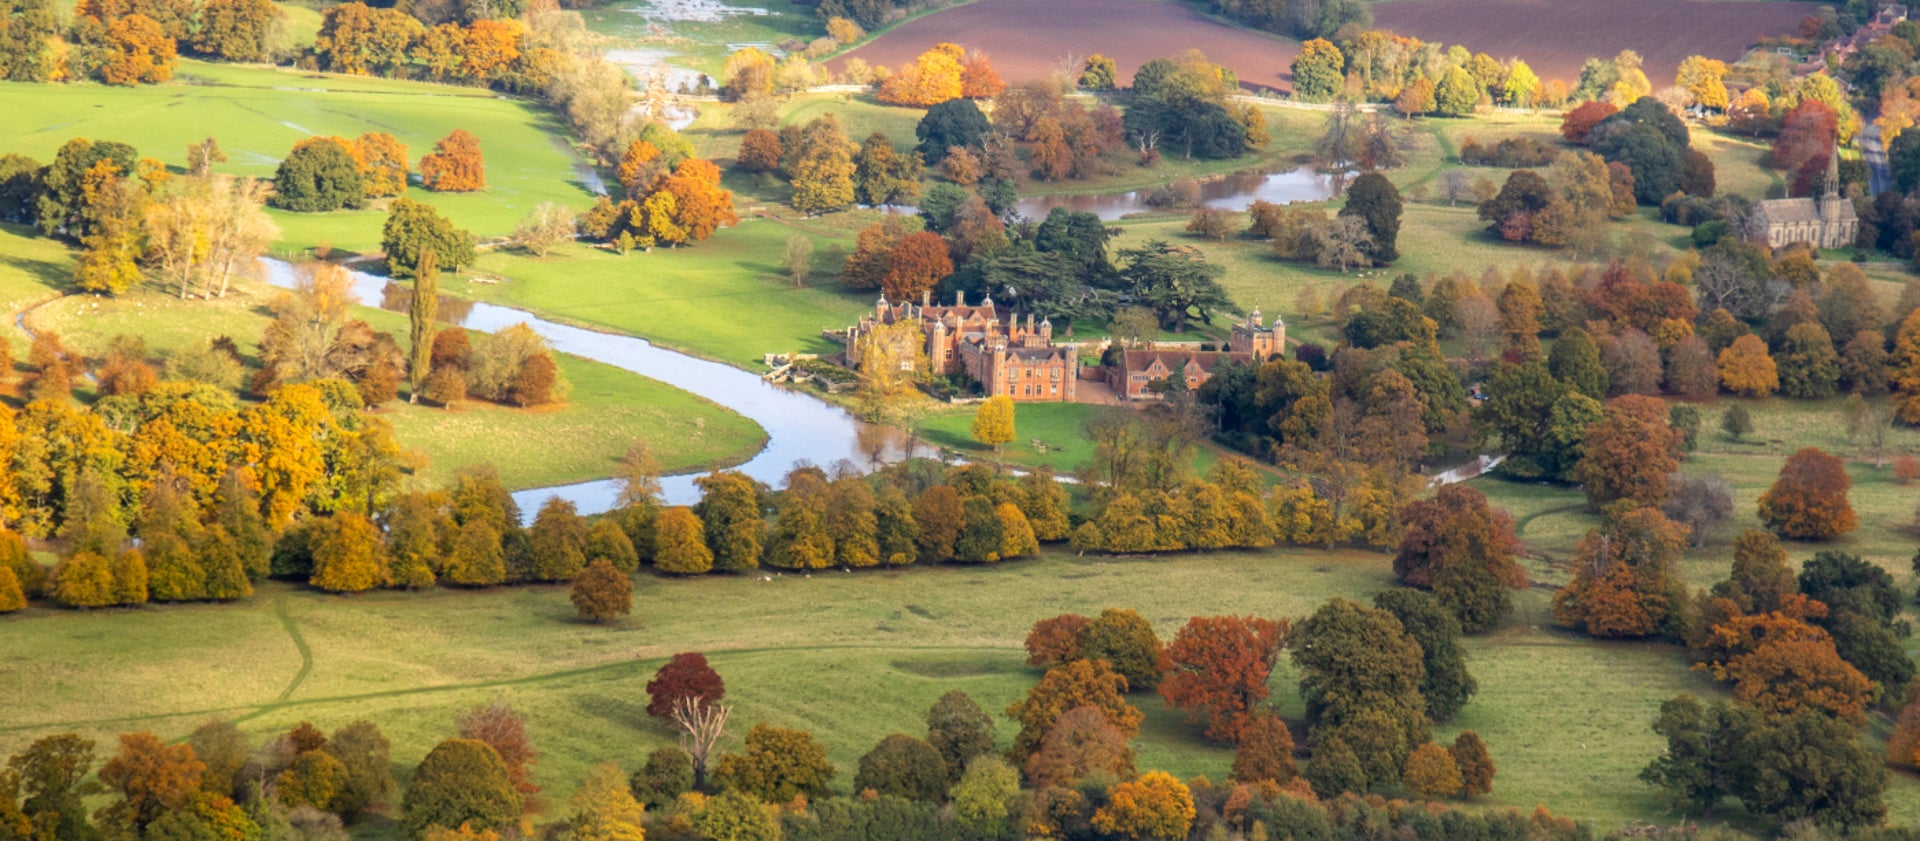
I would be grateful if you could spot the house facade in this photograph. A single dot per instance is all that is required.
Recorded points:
(1250, 342)
(1007, 355)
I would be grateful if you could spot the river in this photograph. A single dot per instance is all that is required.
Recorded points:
(799, 426)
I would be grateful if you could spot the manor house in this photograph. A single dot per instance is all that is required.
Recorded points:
(987, 341)
(1826, 222)
(1249, 343)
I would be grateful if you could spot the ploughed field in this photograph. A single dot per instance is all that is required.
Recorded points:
(1557, 36)
(1028, 39)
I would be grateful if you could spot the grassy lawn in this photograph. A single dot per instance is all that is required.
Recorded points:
(724, 299)
(258, 113)
(609, 408)
(893, 641)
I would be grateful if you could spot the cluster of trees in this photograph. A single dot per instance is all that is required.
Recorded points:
(1070, 771)
(1807, 656)
(1059, 269)
(331, 173)
(1302, 18)
(672, 198)
(194, 230)
(130, 42)
(1419, 78)
(945, 72)
(1182, 104)
(1366, 231)
(487, 51)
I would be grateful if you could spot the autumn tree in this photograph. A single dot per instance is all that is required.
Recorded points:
(959, 730)
(1218, 667)
(760, 152)
(461, 782)
(1475, 763)
(113, 208)
(414, 228)
(1630, 453)
(685, 675)
(604, 808)
(455, 165)
(1264, 750)
(601, 592)
(1624, 582)
(1464, 550)
(932, 78)
(776, 765)
(993, 423)
(504, 730)
(1747, 370)
(680, 542)
(1431, 772)
(348, 555)
(1082, 683)
(151, 778)
(1317, 71)
(1156, 807)
(729, 512)
(819, 165)
(916, 263)
(1579, 122)
(137, 52)
(1809, 499)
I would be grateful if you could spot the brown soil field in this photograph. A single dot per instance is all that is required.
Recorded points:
(1029, 38)
(1557, 36)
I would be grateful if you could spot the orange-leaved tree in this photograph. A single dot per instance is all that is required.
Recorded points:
(918, 262)
(1746, 369)
(1809, 500)
(1218, 667)
(1462, 549)
(934, 77)
(1081, 683)
(1624, 583)
(455, 165)
(1056, 640)
(1630, 452)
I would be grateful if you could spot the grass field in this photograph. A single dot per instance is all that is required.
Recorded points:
(704, 45)
(893, 641)
(724, 299)
(257, 114)
(608, 409)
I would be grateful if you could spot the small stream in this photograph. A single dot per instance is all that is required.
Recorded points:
(799, 427)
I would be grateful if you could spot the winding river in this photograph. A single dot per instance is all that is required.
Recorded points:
(799, 427)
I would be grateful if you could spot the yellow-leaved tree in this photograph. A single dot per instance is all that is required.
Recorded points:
(993, 423)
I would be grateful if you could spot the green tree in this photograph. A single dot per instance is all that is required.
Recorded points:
(1464, 550)
(882, 176)
(955, 123)
(736, 815)
(319, 175)
(729, 512)
(413, 228)
(1457, 94)
(422, 306)
(366, 757)
(959, 730)
(558, 540)
(1374, 199)
(776, 765)
(1318, 71)
(1126, 641)
(903, 766)
(1809, 367)
(1353, 660)
(667, 774)
(1445, 683)
(460, 782)
(1176, 282)
(983, 799)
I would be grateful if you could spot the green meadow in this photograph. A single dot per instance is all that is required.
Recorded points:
(851, 657)
(257, 114)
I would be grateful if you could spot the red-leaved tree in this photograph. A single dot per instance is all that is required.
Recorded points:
(1218, 666)
(687, 675)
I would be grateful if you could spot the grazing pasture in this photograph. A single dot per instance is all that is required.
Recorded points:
(1556, 37)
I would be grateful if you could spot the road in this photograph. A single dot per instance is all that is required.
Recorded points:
(1879, 176)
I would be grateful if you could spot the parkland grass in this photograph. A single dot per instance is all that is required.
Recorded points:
(257, 114)
(851, 657)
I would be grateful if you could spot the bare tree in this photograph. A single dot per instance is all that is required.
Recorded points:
(701, 726)
(1479, 329)
(1456, 185)
(1701, 502)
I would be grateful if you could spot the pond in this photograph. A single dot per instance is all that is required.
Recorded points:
(799, 426)
(1234, 192)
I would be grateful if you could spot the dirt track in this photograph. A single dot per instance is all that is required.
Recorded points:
(1029, 38)
(1557, 36)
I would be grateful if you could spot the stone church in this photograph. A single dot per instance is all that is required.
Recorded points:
(1827, 222)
